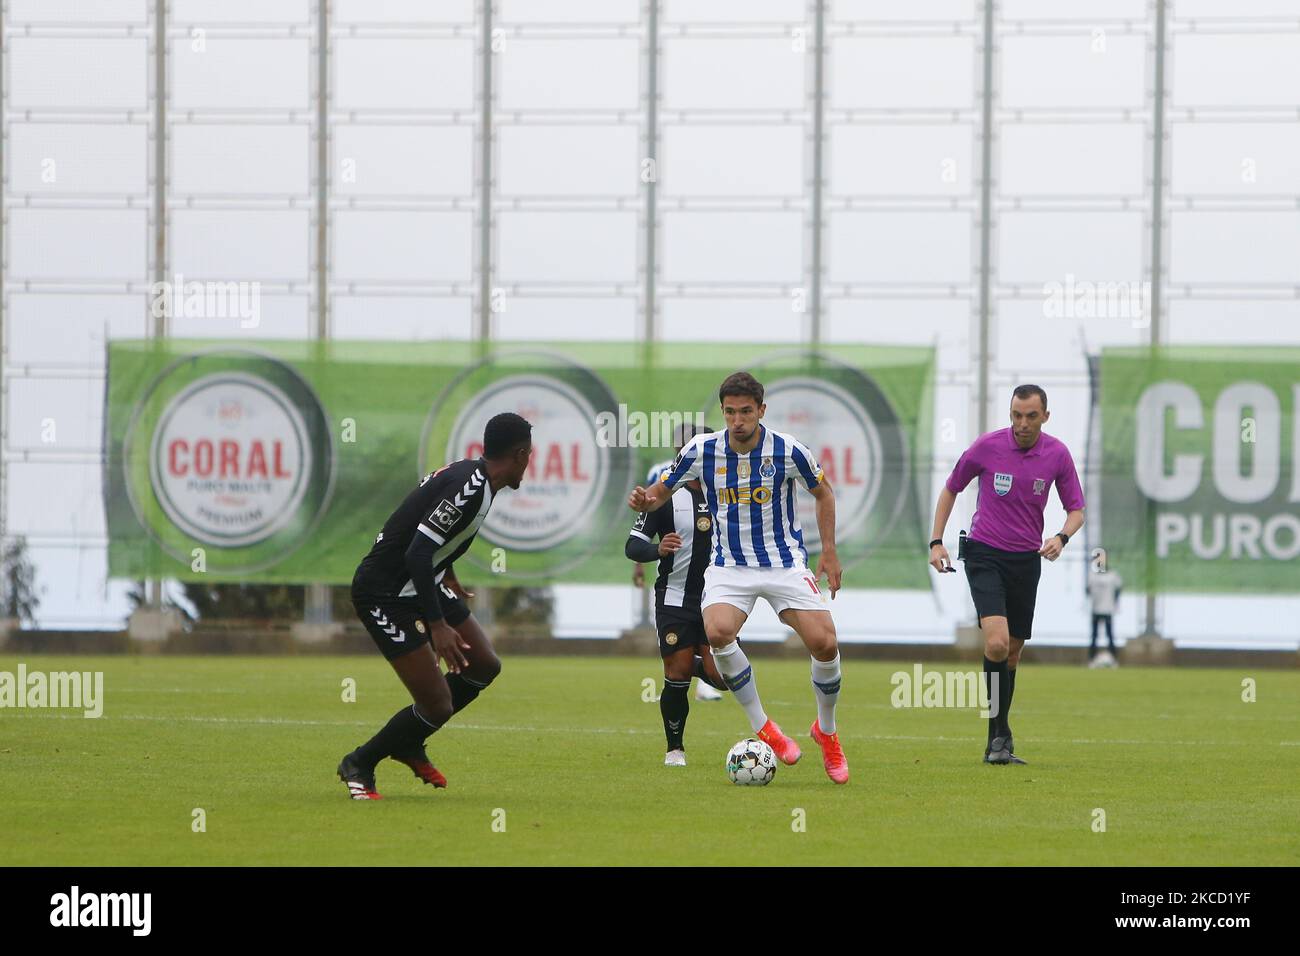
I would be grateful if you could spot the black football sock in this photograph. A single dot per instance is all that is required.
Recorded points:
(1011, 692)
(674, 706)
(405, 731)
(997, 695)
(463, 691)
(703, 675)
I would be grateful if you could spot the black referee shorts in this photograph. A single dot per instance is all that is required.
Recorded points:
(397, 625)
(1004, 584)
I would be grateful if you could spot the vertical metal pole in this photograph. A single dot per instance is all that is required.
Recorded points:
(153, 586)
(483, 605)
(159, 329)
(819, 111)
(1157, 277)
(322, 174)
(652, 153)
(485, 198)
(649, 327)
(986, 218)
(317, 606)
(4, 129)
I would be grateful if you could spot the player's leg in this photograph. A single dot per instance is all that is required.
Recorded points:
(1092, 644)
(729, 595)
(1110, 633)
(674, 704)
(722, 623)
(1021, 580)
(398, 631)
(989, 593)
(997, 680)
(484, 665)
(798, 604)
(434, 706)
(1016, 647)
(705, 668)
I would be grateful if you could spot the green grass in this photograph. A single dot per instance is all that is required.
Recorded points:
(1185, 771)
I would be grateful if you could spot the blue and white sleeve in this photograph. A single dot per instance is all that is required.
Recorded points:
(810, 473)
(686, 465)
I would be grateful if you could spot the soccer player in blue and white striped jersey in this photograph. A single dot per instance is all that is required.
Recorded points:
(750, 475)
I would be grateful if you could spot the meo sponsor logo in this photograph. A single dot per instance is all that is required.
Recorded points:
(743, 496)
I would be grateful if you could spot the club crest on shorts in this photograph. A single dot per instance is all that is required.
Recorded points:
(1001, 482)
(1040, 485)
(419, 625)
(670, 638)
(767, 469)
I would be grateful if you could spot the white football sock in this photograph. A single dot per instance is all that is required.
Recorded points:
(735, 670)
(826, 688)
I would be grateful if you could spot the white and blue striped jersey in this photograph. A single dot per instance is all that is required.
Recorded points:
(751, 496)
(656, 471)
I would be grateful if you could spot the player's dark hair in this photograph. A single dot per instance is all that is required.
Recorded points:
(741, 383)
(684, 432)
(1024, 391)
(504, 433)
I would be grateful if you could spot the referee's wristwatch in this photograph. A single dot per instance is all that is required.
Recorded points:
(1065, 538)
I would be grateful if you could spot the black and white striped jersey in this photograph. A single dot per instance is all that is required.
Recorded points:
(447, 507)
(681, 574)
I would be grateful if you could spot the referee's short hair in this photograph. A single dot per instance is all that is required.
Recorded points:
(504, 433)
(1023, 392)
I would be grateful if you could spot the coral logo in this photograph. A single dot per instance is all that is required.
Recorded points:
(230, 459)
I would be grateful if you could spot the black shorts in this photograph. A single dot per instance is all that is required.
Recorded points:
(678, 627)
(397, 625)
(1004, 584)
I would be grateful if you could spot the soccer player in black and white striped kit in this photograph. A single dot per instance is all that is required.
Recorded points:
(406, 593)
(685, 532)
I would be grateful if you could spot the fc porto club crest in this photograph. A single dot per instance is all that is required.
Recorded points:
(1040, 485)
(767, 469)
(1001, 482)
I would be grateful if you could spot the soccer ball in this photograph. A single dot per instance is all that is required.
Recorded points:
(751, 763)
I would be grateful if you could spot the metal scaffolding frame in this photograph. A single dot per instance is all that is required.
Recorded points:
(651, 203)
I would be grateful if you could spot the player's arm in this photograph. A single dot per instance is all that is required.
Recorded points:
(649, 499)
(962, 473)
(419, 565)
(455, 506)
(449, 578)
(1053, 546)
(684, 467)
(1070, 492)
(829, 561)
(804, 466)
(640, 544)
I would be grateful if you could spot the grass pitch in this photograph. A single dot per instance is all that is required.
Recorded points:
(567, 754)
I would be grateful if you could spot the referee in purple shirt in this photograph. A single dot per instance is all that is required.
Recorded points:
(1015, 467)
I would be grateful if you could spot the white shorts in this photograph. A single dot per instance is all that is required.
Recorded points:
(782, 588)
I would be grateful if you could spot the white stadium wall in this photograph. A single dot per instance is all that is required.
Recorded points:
(550, 229)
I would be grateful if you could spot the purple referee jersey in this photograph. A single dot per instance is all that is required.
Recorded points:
(1013, 487)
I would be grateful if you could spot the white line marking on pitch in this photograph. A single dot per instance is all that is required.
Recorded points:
(294, 722)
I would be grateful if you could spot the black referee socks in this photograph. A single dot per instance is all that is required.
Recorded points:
(999, 690)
